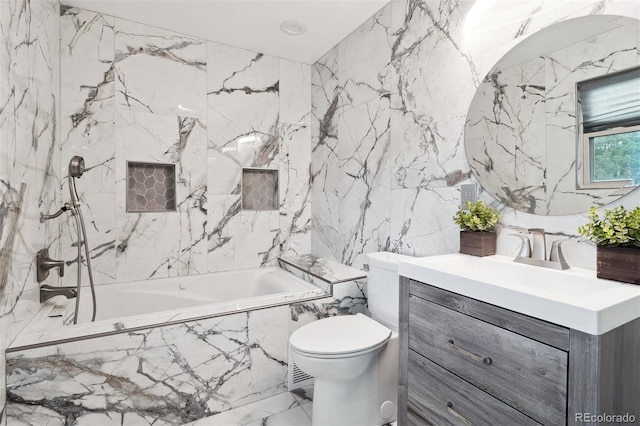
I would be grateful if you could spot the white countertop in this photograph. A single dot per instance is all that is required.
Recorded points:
(573, 298)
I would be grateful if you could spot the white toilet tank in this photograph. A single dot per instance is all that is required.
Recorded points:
(383, 287)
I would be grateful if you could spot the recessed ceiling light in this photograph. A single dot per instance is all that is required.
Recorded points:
(293, 27)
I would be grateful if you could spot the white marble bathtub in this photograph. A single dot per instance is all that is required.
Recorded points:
(142, 304)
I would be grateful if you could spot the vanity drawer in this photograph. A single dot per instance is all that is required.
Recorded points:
(441, 398)
(528, 375)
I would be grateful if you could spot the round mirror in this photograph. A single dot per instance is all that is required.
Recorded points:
(524, 133)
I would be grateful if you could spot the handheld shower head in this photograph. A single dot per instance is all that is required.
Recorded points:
(76, 166)
(76, 169)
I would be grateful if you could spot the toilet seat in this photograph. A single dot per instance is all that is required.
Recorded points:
(339, 337)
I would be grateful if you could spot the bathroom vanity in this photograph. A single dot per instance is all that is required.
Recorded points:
(488, 341)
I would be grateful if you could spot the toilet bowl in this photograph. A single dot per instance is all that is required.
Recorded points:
(340, 353)
(354, 358)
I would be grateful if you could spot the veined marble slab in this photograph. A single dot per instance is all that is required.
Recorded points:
(326, 270)
(167, 375)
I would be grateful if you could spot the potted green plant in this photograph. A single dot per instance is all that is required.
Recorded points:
(477, 228)
(617, 237)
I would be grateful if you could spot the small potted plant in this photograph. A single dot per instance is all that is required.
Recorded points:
(617, 237)
(477, 228)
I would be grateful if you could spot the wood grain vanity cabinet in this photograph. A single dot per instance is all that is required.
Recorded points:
(466, 362)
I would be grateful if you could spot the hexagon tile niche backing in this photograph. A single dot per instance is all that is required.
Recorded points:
(259, 189)
(151, 187)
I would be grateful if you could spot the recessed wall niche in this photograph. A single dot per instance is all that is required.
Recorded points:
(259, 189)
(151, 187)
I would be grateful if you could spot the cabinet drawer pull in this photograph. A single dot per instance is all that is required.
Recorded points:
(478, 358)
(457, 415)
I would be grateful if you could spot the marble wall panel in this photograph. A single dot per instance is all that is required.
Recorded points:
(295, 157)
(162, 244)
(88, 129)
(258, 115)
(325, 169)
(159, 71)
(243, 101)
(199, 95)
(29, 130)
(421, 221)
(435, 82)
(350, 155)
(87, 92)
(163, 376)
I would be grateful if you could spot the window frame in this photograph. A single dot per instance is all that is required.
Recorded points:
(583, 151)
(587, 159)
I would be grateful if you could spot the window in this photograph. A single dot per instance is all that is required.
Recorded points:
(609, 125)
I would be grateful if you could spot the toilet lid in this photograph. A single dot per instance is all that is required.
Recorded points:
(339, 335)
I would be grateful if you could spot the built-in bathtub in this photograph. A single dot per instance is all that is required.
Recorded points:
(140, 304)
(220, 343)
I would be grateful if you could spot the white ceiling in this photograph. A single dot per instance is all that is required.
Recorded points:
(249, 24)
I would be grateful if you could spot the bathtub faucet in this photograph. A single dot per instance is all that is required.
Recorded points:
(48, 291)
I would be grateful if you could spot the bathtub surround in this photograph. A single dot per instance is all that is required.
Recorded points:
(166, 375)
(325, 274)
(76, 82)
(325, 269)
(389, 107)
(219, 109)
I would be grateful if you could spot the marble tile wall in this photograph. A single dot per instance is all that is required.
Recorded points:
(351, 135)
(80, 83)
(389, 110)
(29, 135)
(131, 92)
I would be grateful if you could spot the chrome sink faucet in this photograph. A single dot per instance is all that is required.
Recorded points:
(537, 255)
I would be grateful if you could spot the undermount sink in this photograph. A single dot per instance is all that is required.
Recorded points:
(573, 298)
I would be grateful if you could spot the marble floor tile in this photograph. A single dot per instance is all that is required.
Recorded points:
(285, 406)
(285, 409)
(296, 416)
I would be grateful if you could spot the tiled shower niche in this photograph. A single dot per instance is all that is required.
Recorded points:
(151, 187)
(259, 189)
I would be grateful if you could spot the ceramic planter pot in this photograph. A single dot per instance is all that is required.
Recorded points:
(618, 264)
(478, 243)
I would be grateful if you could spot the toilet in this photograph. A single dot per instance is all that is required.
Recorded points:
(354, 358)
